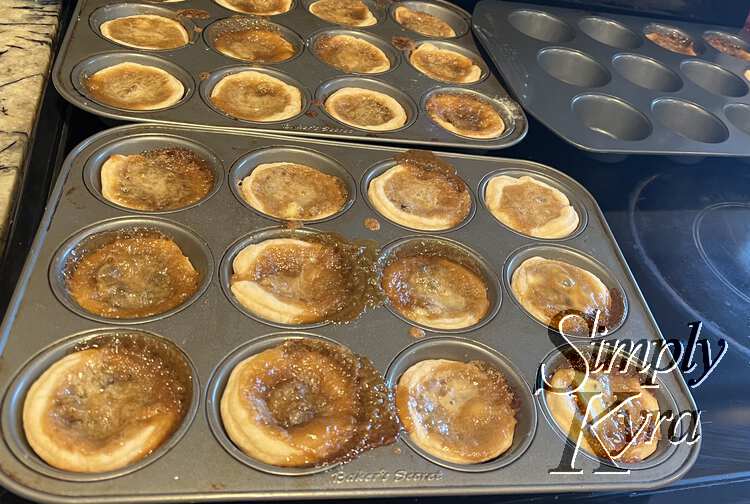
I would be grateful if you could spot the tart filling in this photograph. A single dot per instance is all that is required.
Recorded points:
(344, 12)
(256, 96)
(351, 54)
(423, 23)
(133, 86)
(444, 65)
(257, 7)
(465, 114)
(146, 31)
(366, 109)
(257, 44)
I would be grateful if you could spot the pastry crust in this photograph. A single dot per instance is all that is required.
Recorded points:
(257, 7)
(256, 96)
(344, 12)
(531, 207)
(366, 109)
(444, 65)
(465, 114)
(673, 41)
(420, 199)
(423, 23)
(351, 54)
(459, 412)
(146, 31)
(133, 86)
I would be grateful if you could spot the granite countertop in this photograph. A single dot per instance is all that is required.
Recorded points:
(27, 29)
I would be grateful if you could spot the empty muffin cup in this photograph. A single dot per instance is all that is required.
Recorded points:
(609, 32)
(689, 120)
(646, 73)
(13, 405)
(121, 10)
(573, 67)
(612, 117)
(714, 78)
(456, 20)
(541, 26)
(88, 240)
(465, 350)
(739, 115)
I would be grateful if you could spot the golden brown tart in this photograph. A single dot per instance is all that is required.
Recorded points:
(306, 403)
(418, 196)
(629, 434)
(303, 280)
(555, 292)
(747, 74)
(444, 65)
(133, 86)
(351, 54)
(728, 46)
(256, 96)
(146, 31)
(107, 405)
(435, 290)
(672, 40)
(530, 206)
(261, 43)
(366, 109)
(465, 114)
(423, 23)
(293, 191)
(460, 412)
(132, 275)
(344, 12)
(257, 7)
(156, 180)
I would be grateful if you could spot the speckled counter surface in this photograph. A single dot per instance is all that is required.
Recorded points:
(27, 29)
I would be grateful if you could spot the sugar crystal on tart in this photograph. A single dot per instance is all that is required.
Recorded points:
(108, 404)
(629, 433)
(133, 86)
(465, 114)
(257, 7)
(354, 13)
(293, 191)
(728, 45)
(256, 96)
(672, 40)
(444, 64)
(555, 292)
(146, 31)
(422, 23)
(436, 288)
(530, 206)
(307, 403)
(156, 180)
(421, 192)
(254, 41)
(305, 279)
(366, 109)
(132, 274)
(460, 412)
(351, 54)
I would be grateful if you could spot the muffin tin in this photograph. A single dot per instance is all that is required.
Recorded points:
(597, 82)
(214, 332)
(199, 66)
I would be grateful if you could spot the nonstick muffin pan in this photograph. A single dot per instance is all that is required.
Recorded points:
(596, 80)
(199, 66)
(215, 333)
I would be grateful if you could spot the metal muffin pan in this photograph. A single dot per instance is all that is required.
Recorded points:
(599, 83)
(213, 331)
(198, 64)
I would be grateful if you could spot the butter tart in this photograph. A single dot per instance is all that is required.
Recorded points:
(146, 31)
(628, 434)
(351, 54)
(156, 180)
(465, 114)
(420, 197)
(728, 46)
(133, 86)
(444, 64)
(257, 7)
(259, 43)
(354, 13)
(108, 405)
(460, 412)
(366, 109)
(530, 206)
(672, 40)
(293, 191)
(256, 96)
(550, 289)
(422, 23)
(133, 274)
(307, 403)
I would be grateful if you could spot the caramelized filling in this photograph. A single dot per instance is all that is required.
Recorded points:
(130, 87)
(162, 179)
(350, 54)
(253, 98)
(465, 112)
(148, 31)
(262, 45)
(443, 64)
(423, 23)
(527, 206)
(673, 41)
(363, 110)
(728, 46)
(134, 274)
(259, 7)
(345, 12)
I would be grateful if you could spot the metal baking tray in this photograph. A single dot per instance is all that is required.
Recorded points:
(201, 464)
(199, 67)
(597, 82)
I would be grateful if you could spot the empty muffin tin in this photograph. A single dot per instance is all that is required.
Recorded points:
(215, 333)
(199, 67)
(596, 81)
